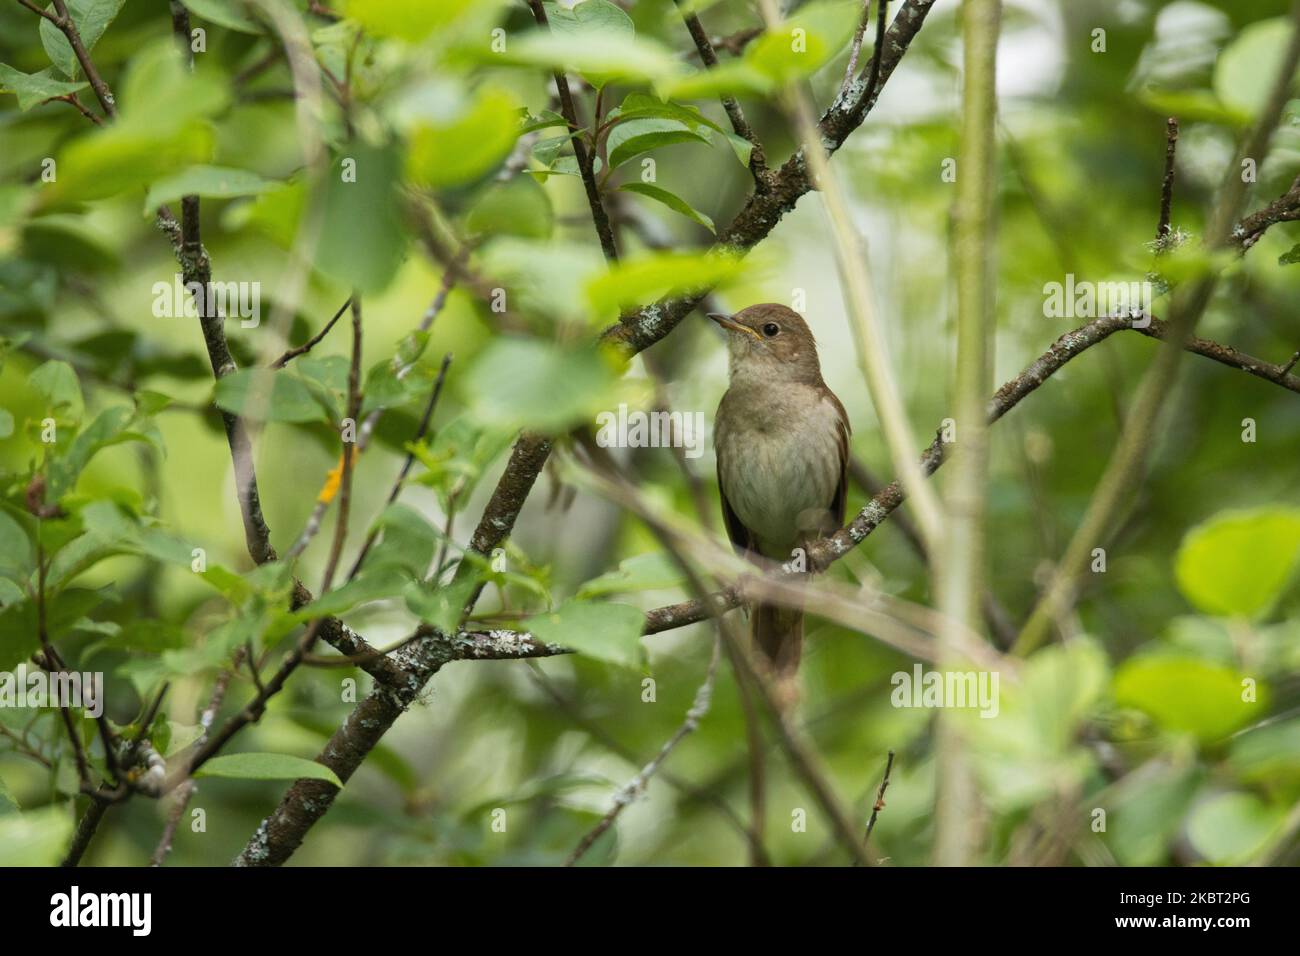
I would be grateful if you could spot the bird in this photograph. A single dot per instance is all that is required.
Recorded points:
(782, 443)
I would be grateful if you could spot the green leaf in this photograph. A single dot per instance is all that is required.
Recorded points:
(608, 632)
(6, 423)
(592, 23)
(644, 106)
(633, 281)
(275, 213)
(408, 542)
(265, 395)
(409, 20)
(18, 623)
(112, 426)
(367, 586)
(1268, 755)
(231, 14)
(210, 182)
(363, 236)
(634, 137)
(1247, 67)
(804, 43)
(58, 386)
(1185, 695)
(526, 383)
(16, 554)
(1290, 257)
(440, 607)
(671, 200)
(1232, 827)
(92, 18)
(32, 89)
(162, 128)
(8, 802)
(459, 453)
(451, 151)
(1193, 106)
(36, 838)
(726, 79)
(518, 207)
(546, 119)
(654, 571)
(592, 19)
(1149, 810)
(259, 766)
(610, 57)
(742, 147)
(1238, 563)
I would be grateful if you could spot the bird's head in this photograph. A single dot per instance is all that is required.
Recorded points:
(770, 340)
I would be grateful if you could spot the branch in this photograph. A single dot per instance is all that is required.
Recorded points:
(280, 834)
(825, 551)
(880, 799)
(1124, 470)
(257, 706)
(757, 158)
(648, 325)
(962, 570)
(307, 801)
(181, 796)
(86, 828)
(312, 342)
(1167, 184)
(69, 28)
(586, 160)
(1286, 208)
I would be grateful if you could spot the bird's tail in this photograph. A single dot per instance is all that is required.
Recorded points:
(778, 635)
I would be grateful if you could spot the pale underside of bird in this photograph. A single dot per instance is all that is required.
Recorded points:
(782, 446)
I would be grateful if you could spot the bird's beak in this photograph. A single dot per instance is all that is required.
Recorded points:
(731, 325)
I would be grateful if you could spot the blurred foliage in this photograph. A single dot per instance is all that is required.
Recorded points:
(1166, 732)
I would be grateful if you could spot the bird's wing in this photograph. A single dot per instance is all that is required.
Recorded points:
(842, 435)
(742, 539)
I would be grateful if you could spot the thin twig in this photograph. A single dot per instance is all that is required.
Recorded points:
(880, 799)
(311, 343)
(873, 76)
(855, 47)
(68, 26)
(757, 158)
(636, 786)
(72, 100)
(585, 158)
(1167, 183)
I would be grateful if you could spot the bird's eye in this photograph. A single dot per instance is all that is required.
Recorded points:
(771, 329)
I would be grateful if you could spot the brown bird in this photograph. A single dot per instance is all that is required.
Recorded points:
(782, 440)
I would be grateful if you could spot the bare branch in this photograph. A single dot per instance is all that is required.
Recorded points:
(1167, 184)
(880, 799)
(312, 342)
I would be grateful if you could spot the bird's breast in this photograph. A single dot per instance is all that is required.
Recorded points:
(779, 462)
